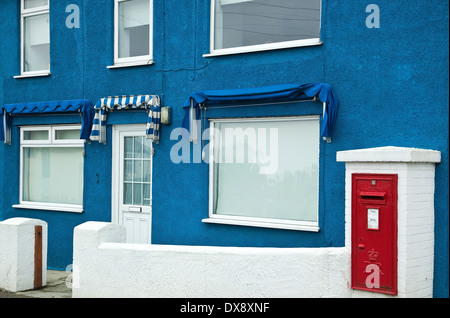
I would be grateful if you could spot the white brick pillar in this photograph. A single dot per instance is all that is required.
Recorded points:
(415, 237)
(17, 254)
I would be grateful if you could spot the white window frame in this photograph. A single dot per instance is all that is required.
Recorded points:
(135, 60)
(24, 13)
(258, 47)
(254, 221)
(53, 143)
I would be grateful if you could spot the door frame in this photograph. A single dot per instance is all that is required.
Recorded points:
(115, 168)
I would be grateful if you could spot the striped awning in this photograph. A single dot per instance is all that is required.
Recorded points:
(149, 102)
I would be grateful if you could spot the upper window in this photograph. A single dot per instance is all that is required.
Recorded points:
(133, 28)
(51, 168)
(35, 37)
(265, 172)
(252, 25)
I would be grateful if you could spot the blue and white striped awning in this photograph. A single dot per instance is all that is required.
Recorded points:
(149, 102)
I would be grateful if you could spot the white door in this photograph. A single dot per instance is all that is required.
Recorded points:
(132, 182)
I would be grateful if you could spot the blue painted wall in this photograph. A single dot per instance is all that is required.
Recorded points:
(392, 84)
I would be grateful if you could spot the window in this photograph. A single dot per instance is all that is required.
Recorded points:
(239, 26)
(133, 28)
(51, 168)
(137, 171)
(35, 38)
(265, 172)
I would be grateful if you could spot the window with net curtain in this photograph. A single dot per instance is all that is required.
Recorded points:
(241, 189)
(35, 36)
(137, 171)
(52, 166)
(264, 23)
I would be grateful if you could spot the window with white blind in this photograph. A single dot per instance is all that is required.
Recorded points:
(133, 28)
(51, 168)
(35, 38)
(239, 26)
(264, 172)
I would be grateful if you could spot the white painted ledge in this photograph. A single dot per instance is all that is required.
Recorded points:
(131, 64)
(389, 154)
(57, 208)
(33, 74)
(270, 225)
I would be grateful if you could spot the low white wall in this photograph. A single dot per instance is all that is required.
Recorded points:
(104, 266)
(17, 253)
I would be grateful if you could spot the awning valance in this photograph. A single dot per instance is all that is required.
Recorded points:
(149, 102)
(266, 95)
(83, 106)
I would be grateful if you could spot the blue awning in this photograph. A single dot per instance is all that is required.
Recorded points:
(82, 106)
(267, 94)
(149, 102)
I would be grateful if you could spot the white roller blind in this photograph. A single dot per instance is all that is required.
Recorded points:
(37, 29)
(31, 4)
(290, 192)
(134, 13)
(53, 175)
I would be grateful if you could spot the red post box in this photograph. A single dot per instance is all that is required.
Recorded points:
(374, 232)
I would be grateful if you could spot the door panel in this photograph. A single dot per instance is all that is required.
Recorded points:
(132, 181)
(137, 226)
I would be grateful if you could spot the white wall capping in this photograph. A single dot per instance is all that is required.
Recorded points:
(389, 154)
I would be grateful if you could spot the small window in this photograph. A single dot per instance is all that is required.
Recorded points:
(51, 168)
(35, 37)
(36, 135)
(133, 32)
(252, 25)
(265, 172)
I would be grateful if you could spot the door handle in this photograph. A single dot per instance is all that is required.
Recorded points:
(361, 246)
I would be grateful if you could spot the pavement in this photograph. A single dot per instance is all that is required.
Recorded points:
(56, 288)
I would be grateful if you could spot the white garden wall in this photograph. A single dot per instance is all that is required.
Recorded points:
(106, 267)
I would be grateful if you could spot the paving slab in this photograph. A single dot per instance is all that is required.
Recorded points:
(56, 288)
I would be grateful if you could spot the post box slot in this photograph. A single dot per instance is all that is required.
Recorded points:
(372, 197)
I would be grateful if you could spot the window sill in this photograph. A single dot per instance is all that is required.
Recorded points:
(34, 74)
(59, 208)
(272, 225)
(131, 64)
(264, 47)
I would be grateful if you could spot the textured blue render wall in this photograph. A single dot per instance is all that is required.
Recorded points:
(392, 84)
